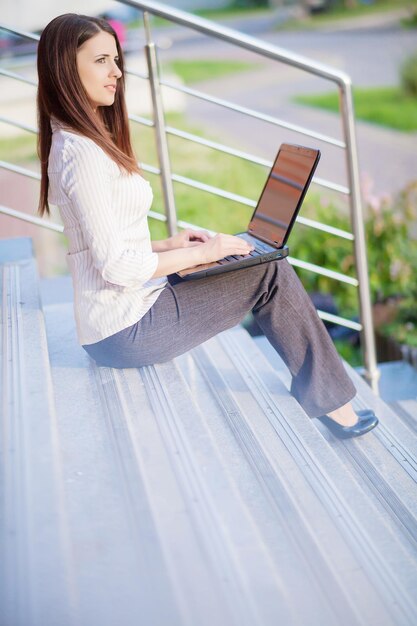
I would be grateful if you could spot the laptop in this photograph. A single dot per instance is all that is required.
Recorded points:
(274, 215)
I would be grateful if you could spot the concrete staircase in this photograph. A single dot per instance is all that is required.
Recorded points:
(195, 492)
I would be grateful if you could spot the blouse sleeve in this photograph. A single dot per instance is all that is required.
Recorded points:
(87, 183)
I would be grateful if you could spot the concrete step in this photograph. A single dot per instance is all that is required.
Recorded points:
(198, 492)
(33, 552)
(215, 475)
(407, 411)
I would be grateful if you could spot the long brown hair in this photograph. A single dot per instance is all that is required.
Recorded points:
(61, 95)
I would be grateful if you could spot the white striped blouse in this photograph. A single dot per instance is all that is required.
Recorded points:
(104, 212)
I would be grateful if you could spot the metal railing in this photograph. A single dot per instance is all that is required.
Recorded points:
(168, 178)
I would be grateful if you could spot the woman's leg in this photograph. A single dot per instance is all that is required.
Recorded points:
(187, 313)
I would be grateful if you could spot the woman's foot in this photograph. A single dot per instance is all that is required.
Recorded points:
(363, 422)
(345, 415)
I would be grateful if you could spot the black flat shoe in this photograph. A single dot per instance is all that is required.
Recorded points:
(367, 420)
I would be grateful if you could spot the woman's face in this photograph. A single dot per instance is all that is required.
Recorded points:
(97, 68)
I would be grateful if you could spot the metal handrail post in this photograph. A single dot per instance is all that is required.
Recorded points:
(161, 137)
(367, 334)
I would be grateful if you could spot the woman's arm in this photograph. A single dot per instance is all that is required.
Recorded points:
(160, 246)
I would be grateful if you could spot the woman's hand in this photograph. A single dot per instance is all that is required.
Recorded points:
(222, 245)
(186, 238)
(197, 248)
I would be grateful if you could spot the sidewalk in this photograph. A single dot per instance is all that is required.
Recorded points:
(268, 22)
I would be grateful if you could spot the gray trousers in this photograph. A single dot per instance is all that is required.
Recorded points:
(187, 313)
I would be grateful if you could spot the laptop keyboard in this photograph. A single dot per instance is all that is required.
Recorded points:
(259, 249)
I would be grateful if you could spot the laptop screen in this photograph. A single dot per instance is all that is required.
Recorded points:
(283, 193)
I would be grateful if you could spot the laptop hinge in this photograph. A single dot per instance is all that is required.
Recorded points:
(264, 239)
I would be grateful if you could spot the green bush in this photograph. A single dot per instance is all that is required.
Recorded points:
(411, 20)
(409, 75)
(315, 246)
(404, 328)
(392, 259)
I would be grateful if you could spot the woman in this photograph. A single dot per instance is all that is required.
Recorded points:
(128, 313)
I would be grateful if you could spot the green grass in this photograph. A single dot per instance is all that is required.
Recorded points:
(201, 69)
(411, 20)
(386, 106)
(20, 149)
(339, 10)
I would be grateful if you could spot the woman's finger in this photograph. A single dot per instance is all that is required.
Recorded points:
(200, 235)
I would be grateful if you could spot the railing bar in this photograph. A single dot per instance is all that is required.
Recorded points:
(150, 168)
(141, 120)
(255, 114)
(184, 224)
(30, 129)
(36, 221)
(19, 170)
(334, 186)
(18, 77)
(157, 216)
(208, 143)
(311, 267)
(21, 33)
(137, 74)
(331, 230)
(341, 321)
(214, 190)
